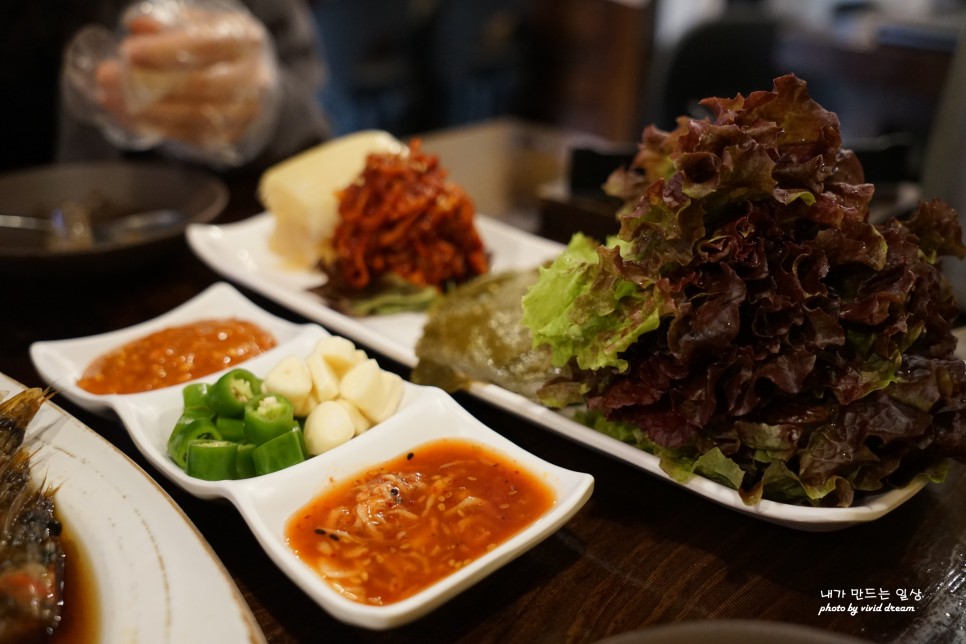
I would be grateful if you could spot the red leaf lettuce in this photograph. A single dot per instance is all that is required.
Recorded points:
(749, 323)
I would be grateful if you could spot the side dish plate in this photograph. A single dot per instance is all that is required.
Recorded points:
(157, 579)
(265, 502)
(240, 252)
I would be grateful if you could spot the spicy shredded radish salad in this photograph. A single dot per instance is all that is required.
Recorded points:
(404, 227)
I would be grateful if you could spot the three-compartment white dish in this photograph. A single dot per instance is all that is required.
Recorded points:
(266, 502)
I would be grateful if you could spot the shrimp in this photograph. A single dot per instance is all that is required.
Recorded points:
(31, 552)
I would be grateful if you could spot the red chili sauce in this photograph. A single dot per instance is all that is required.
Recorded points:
(392, 530)
(175, 355)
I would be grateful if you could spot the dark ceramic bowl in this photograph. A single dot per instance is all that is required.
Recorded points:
(109, 192)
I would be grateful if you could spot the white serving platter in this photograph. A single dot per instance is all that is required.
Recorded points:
(240, 252)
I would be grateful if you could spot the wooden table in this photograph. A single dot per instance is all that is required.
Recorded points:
(641, 552)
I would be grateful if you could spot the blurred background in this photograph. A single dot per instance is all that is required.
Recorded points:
(531, 103)
(609, 67)
(570, 84)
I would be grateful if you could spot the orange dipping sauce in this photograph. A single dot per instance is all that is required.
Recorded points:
(392, 530)
(175, 355)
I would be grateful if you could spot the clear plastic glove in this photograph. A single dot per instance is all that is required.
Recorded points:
(197, 78)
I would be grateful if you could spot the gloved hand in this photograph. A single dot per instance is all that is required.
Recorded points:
(196, 77)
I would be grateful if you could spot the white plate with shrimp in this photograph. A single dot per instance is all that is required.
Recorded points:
(153, 576)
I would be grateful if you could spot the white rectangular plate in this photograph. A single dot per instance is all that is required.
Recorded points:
(240, 252)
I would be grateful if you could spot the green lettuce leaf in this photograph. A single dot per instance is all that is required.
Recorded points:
(585, 311)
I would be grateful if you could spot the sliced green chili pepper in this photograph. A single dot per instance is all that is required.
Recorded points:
(267, 416)
(231, 429)
(227, 397)
(211, 460)
(280, 452)
(186, 430)
(244, 464)
(194, 413)
(195, 395)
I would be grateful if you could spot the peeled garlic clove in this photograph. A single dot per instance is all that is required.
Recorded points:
(327, 426)
(325, 382)
(359, 420)
(291, 378)
(340, 353)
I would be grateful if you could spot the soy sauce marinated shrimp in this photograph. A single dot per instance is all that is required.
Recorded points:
(16, 413)
(31, 552)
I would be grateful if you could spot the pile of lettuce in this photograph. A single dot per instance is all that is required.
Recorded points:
(749, 323)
